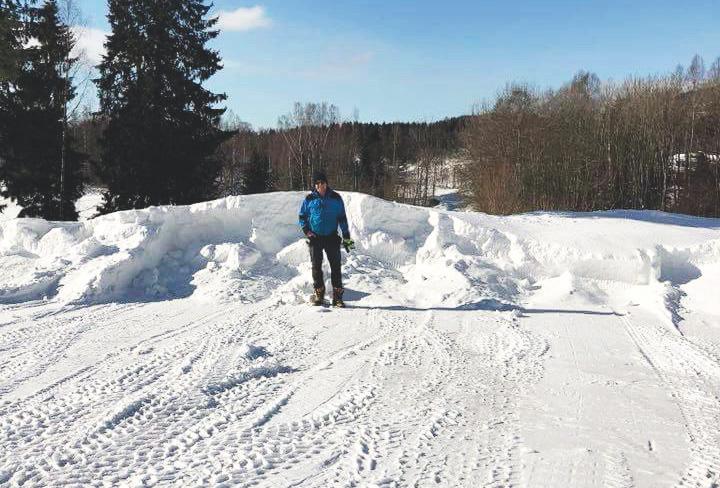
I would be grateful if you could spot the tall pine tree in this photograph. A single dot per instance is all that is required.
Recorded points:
(163, 126)
(40, 170)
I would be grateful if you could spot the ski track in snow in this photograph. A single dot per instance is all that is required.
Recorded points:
(475, 351)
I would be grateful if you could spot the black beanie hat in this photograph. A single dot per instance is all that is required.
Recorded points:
(318, 176)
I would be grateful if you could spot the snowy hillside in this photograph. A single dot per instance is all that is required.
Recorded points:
(174, 346)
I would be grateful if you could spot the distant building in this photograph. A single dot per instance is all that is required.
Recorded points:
(682, 163)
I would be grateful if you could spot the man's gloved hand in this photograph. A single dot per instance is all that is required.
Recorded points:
(348, 244)
(309, 237)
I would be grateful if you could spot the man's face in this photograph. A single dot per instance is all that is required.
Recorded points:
(321, 187)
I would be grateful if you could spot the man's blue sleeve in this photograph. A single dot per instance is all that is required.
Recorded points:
(304, 222)
(342, 220)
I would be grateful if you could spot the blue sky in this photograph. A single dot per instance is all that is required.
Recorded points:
(421, 60)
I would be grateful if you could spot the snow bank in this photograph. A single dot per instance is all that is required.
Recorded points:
(248, 247)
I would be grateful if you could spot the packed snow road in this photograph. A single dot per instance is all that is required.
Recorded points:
(173, 347)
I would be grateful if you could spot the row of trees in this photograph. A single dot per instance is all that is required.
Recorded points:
(644, 143)
(159, 137)
(401, 161)
(648, 143)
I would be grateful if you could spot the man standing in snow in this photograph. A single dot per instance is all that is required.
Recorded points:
(320, 214)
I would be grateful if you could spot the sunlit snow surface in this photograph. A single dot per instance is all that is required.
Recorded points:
(175, 346)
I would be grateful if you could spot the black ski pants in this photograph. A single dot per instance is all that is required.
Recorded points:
(331, 245)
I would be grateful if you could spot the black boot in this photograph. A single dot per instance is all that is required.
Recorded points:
(337, 297)
(319, 296)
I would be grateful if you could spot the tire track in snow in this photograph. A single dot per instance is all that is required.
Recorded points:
(507, 361)
(46, 339)
(187, 413)
(260, 447)
(191, 408)
(361, 439)
(617, 471)
(28, 350)
(690, 376)
(141, 347)
(255, 451)
(445, 364)
(82, 400)
(208, 411)
(443, 412)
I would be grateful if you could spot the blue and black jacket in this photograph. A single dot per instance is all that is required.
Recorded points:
(322, 215)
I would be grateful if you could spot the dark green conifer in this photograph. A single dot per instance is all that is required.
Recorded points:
(256, 176)
(163, 126)
(9, 59)
(39, 169)
(9, 40)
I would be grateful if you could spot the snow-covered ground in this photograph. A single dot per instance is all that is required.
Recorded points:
(174, 346)
(450, 199)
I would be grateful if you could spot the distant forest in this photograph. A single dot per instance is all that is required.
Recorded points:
(644, 143)
(398, 161)
(160, 137)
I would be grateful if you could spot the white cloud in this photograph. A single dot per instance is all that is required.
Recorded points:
(90, 42)
(243, 19)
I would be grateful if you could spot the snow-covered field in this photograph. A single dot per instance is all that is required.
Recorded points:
(173, 346)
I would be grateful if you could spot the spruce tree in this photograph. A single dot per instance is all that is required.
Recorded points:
(9, 59)
(256, 176)
(40, 170)
(9, 41)
(163, 126)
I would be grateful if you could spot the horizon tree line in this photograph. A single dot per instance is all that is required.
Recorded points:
(398, 160)
(644, 143)
(159, 137)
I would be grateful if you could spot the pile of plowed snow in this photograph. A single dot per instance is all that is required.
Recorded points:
(250, 247)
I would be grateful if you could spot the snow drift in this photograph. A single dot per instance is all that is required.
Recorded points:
(246, 247)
